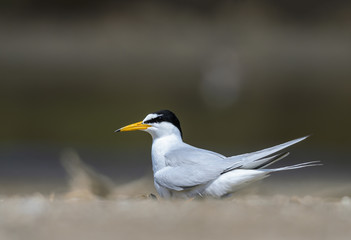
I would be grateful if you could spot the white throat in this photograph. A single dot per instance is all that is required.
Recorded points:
(161, 144)
(163, 129)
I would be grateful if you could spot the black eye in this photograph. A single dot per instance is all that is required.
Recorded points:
(154, 120)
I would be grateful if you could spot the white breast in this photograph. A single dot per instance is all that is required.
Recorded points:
(160, 146)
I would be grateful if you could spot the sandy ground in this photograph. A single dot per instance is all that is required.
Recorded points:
(243, 217)
(94, 208)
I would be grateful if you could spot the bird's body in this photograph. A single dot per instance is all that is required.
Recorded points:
(184, 171)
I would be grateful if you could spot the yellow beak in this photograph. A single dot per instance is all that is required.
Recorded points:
(134, 127)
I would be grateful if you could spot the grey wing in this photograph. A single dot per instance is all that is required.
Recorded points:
(189, 167)
(182, 178)
(188, 154)
(265, 157)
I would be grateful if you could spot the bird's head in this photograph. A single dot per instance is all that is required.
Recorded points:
(158, 124)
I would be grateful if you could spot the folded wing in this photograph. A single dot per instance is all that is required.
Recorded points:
(265, 157)
(188, 167)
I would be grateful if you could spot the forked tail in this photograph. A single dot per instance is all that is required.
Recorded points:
(296, 166)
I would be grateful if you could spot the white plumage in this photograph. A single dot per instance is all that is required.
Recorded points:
(182, 170)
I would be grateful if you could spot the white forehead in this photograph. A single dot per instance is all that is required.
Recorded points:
(151, 116)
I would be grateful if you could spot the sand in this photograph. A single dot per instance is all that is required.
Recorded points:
(246, 216)
(94, 207)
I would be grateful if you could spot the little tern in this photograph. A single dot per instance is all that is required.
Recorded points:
(184, 171)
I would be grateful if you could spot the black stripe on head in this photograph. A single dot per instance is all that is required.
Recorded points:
(166, 116)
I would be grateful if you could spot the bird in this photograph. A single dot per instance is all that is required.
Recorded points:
(181, 170)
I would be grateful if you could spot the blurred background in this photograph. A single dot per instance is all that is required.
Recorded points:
(240, 75)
